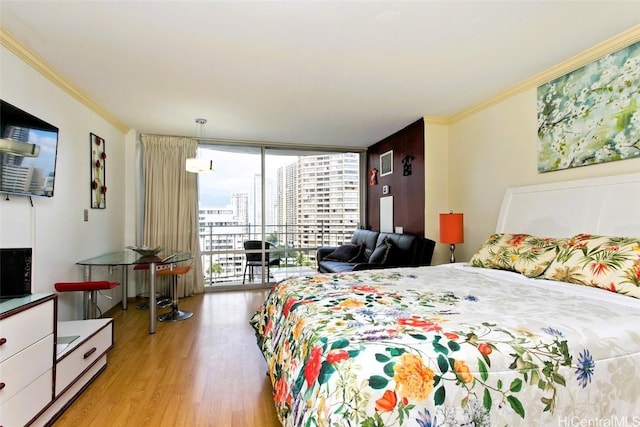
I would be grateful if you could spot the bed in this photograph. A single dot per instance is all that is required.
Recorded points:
(512, 338)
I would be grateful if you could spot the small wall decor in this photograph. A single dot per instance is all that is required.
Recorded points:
(386, 163)
(591, 115)
(406, 162)
(98, 179)
(373, 176)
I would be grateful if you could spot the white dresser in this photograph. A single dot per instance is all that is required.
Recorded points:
(27, 359)
(45, 365)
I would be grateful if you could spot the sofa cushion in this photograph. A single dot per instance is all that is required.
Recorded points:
(406, 248)
(382, 253)
(368, 238)
(336, 266)
(346, 253)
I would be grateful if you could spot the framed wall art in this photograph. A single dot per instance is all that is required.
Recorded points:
(386, 163)
(98, 176)
(591, 115)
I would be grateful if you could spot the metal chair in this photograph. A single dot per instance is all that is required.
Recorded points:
(254, 259)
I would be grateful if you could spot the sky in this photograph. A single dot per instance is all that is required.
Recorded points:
(233, 173)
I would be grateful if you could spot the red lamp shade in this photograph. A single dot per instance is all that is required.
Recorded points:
(452, 228)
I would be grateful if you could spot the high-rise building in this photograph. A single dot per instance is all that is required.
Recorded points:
(320, 195)
(313, 202)
(221, 234)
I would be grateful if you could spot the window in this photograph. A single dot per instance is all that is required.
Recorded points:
(294, 199)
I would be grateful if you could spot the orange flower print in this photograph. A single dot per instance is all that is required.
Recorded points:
(267, 327)
(463, 371)
(312, 368)
(387, 402)
(288, 305)
(365, 288)
(451, 335)
(418, 322)
(336, 356)
(319, 278)
(297, 330)
(350, 303)
(484, 348)
(598, 268)
(517, 239)
(414, 381)
(282, 394)
(576, 244)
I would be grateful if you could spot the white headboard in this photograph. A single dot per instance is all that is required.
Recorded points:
(607, 206)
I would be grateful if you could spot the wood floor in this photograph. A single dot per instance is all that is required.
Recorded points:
(204, 371)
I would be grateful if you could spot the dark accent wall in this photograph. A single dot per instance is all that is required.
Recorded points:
(407, 191)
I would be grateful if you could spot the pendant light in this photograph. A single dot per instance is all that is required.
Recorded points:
(197, 164)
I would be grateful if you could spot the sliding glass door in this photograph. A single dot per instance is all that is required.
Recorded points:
(265, 210)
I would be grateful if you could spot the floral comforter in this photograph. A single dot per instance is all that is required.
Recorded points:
(449, 346)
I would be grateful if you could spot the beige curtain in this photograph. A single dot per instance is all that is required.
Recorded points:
(171, 202)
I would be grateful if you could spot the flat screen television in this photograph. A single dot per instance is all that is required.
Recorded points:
(28, 150)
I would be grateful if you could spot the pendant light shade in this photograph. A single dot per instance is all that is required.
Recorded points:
(197, 164)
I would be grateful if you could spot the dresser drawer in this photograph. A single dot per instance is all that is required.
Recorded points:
(23, 368)
(24, 328)
(25, 404)
(74, 363)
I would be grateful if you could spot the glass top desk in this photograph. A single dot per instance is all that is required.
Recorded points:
(127, 258)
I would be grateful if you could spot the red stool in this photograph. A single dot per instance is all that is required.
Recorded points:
(91, 293)
(175, 314)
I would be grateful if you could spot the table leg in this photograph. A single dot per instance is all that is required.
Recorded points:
(125, 286)
(152, 297)
(85, 295)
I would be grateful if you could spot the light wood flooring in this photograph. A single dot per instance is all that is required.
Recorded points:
(203, 371)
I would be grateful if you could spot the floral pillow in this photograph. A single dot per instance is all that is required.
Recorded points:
(487, 254)
(611, 263)
(523, 253)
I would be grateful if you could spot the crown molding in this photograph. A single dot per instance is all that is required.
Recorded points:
(40, 65)
(613, 44)
(434, 120)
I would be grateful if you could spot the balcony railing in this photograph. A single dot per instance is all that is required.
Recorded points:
(223, 254)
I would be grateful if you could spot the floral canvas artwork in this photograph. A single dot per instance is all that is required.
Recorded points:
(591, 115)
(98, 179)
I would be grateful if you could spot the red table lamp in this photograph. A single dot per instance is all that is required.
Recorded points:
(452, 230)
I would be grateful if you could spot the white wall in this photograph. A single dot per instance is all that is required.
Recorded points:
(496, 148)
(54, 227)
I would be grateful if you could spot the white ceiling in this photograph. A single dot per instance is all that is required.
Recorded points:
(346, 73)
